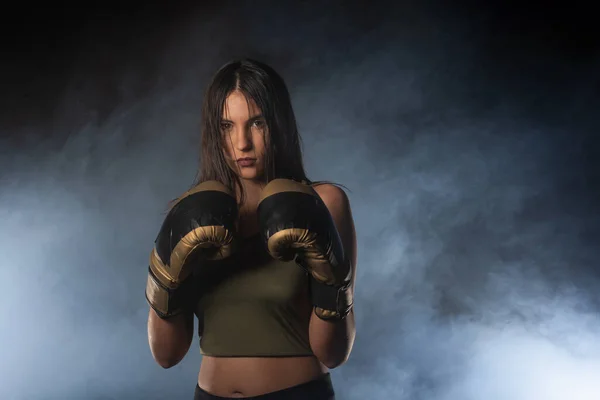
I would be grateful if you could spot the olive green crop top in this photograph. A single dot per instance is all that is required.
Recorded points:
(254, 306)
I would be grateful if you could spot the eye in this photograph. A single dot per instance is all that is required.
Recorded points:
(225, 126)
(259, 123)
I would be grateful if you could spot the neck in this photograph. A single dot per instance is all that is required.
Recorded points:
(247, 223)
(252, 190)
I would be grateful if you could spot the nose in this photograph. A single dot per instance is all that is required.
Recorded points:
(242, 139)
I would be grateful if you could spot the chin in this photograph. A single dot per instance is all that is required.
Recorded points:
(250, 175)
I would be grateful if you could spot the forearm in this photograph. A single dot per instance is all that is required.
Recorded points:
(332, 341)
(170, 339)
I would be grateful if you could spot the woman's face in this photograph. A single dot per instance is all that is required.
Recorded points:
(243, 129)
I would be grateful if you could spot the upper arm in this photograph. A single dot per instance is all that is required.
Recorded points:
(338, 204)
(200, 318)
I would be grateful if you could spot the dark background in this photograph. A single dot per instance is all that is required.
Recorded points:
(466, 133)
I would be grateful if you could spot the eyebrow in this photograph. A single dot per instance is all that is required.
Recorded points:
(251, 119)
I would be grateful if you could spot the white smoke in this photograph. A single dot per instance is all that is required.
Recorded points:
(472, 280)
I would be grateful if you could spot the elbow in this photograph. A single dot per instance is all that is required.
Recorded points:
(332, 356)
(168, 359)
(168, 356)
(167, 363)
(334, 362)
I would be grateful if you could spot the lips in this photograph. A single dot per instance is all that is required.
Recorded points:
(246, 162)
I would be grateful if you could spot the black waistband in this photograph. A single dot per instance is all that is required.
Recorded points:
(318, 389)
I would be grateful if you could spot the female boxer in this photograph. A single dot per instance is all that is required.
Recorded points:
(265, 258)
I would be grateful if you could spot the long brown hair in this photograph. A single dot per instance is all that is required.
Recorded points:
(262, 84)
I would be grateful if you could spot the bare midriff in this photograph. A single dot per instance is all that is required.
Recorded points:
(254, 376)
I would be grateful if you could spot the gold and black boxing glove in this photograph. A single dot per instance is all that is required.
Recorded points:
(296, 225)
(199, 227)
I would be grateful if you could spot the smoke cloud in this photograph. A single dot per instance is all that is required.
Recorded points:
(471, 180)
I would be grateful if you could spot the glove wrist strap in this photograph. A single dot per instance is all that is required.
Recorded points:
(331, 302)
(168, 302)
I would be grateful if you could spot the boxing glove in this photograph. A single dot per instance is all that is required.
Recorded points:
(199, 227)
(296, 225)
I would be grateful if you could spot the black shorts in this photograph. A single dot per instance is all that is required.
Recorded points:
(318, 389)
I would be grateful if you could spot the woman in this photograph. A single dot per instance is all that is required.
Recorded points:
(265, 258)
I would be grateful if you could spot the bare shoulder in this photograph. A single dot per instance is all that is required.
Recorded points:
(337, 202)
(333, 196)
